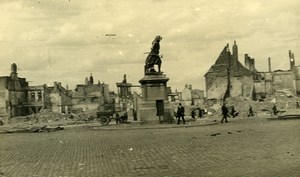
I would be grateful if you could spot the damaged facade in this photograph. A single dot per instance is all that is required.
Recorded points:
(90, 96)
(229, 78)
(38, 98)
(17, 98)
(124, 100)
(279, 81)
(13, 99)
(60, 98)
(188, 96)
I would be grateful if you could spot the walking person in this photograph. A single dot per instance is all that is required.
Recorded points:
(180, 113)
(117, 118)
(224, 113)
(193, 114)
(233, 112)
(250, 112)
(200, 112)
(274, 108)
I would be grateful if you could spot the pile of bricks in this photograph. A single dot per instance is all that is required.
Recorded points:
(263, 107)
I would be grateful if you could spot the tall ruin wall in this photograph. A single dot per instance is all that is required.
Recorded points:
(240, 86)
(284, 81)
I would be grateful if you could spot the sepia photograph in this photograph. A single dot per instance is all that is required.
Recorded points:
(154, 88)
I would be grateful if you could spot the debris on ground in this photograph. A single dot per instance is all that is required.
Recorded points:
(34, 129)
(53, 119)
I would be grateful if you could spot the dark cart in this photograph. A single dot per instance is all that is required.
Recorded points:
(106, 116)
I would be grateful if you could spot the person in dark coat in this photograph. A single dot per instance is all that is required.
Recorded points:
(193, 114)
(274, 108)
(200, 112)
(233, 112)
(250, 112)
(224, 113)
(180, 113)
(117, 118)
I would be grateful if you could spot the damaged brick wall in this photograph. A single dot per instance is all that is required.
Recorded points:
(241, 86)
(61, 99)
(228, 66)
(91, 97)
(284, 80)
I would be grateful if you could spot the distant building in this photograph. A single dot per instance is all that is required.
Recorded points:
(278, 81)
(90, 96)
(125, 97)
(17, 98)
(38, 98)
(198, 97)
(229, 78)
(13, 95)
(186, 95)
(60, 98)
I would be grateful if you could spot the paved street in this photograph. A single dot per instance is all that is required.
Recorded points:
(243, 147)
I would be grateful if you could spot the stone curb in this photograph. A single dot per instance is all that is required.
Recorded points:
(96, 126)
(139, 127)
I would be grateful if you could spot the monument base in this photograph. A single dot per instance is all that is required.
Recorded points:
(148, 113)
(154, 106)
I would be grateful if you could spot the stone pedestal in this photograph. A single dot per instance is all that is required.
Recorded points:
(154, 106)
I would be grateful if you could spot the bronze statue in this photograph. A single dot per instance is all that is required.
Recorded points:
(153, 57)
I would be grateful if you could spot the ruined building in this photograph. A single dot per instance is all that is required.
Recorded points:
(229, 78)
(125, 96)
(190, 96)
(13, 94)
(90, 96)
(38, 98)
(60, 98)
(17, 98)
(285, 81)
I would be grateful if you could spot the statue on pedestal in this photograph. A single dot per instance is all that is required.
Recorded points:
(153, 57)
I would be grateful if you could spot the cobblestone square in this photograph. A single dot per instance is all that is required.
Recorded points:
(242, 147)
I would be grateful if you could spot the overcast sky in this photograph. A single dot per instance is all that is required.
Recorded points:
(65, 40)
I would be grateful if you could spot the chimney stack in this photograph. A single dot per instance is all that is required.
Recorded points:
(91, 79)
(269, 63)
(292, 59)
(55, 86)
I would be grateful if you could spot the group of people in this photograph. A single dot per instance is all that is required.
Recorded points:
(226, 113)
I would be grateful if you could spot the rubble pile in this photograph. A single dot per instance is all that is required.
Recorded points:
(284, 100)
(33, 129)
(52, 118)
(242, 105)
(85, 116)
(42, 117)
(263, 107)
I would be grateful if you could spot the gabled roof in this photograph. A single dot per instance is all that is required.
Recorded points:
(222, 63)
